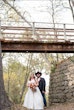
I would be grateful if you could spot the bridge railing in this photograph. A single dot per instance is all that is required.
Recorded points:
(39, 31)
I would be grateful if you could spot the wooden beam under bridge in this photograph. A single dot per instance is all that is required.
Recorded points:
(36, 46)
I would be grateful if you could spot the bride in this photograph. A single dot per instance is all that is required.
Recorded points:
(33, 98)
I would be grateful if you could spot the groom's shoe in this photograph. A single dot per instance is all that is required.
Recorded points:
(45, 107)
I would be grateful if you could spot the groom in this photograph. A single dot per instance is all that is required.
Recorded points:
(41, 86)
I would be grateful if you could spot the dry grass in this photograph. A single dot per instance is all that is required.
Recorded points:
(68, 106)
(15, 107)
(18, 107)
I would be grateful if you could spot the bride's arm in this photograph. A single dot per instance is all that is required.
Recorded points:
(28, 84)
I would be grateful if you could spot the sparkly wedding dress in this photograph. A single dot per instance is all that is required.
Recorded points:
(33, 100)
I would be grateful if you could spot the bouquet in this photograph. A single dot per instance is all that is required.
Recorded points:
(33, 87)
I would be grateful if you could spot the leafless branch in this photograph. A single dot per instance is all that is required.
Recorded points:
(71, 3)
(6, 2)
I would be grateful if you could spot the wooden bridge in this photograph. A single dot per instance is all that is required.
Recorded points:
(39, 37)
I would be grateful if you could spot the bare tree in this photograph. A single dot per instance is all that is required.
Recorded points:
(26, 76)
(4, 100)
(71, 3)
(55, 8)
(18, 13)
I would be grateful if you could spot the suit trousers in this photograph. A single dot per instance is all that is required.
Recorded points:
(44, 99)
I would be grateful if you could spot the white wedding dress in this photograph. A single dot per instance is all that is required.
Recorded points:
(33, 100)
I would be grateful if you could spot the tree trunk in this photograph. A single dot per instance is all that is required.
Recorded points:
(4, 100)
(26, 76)
(71, 3)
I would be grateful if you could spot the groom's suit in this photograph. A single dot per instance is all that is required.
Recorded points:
(41, 86)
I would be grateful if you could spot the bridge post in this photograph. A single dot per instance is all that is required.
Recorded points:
(33, 28)
(65, 37)
(0, 28)
(33, 33)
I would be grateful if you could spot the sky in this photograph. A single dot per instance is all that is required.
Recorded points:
(33, 8)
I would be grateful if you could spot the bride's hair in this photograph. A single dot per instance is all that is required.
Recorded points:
(32, 75)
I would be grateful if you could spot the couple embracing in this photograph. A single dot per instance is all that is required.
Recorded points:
(35, 96)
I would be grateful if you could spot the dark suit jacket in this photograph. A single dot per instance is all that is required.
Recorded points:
(42, 84)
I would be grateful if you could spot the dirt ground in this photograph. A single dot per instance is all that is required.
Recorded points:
(67, 106)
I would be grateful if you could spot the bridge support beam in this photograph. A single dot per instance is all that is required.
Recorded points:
(23, 46)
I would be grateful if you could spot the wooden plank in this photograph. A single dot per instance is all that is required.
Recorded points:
(44, 34)
(36, 28)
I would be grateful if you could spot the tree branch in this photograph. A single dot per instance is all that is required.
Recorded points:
(6, 2)
(71, 2)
